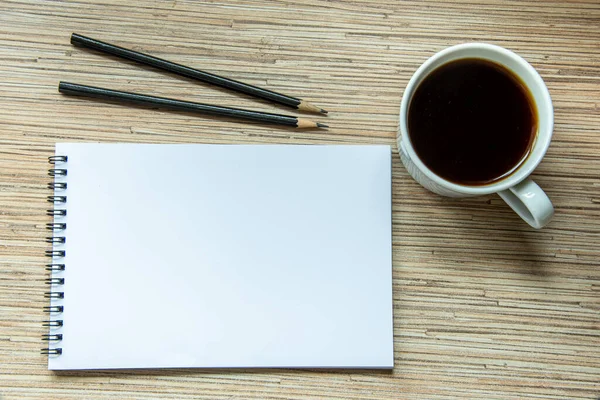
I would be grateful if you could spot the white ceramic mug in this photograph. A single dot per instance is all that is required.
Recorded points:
(522, 194)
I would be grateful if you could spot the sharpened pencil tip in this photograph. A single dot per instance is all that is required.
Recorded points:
(320, 125)
(306, 106)
(324, 111)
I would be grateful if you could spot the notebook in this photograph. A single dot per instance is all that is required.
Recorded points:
(179, 256)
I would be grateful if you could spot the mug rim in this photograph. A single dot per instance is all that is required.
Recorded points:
(542, 141)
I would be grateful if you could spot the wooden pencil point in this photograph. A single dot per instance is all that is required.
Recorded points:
(304, 123)
(306, 106)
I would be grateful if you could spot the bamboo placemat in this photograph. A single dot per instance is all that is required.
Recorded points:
(484, 306)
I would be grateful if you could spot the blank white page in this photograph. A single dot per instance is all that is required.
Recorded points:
(225, 256)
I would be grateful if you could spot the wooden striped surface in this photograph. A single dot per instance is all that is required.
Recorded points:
(484, 306)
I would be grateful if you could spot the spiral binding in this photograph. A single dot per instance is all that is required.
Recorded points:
(54, 295)
(57, 172)
(55, 253)
(54, 309)
(52, 337)
(55, 268)
(56, 213)
(57, 199)
(57, 185)
(56, 226)
(57, 351)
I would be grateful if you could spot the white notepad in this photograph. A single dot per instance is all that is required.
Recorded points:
(223, 256)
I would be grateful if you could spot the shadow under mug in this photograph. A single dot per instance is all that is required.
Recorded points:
(522, 194)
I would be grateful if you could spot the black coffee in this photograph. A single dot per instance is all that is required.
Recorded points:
(472, 121)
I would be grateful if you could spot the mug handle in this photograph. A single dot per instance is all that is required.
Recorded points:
(530, 202)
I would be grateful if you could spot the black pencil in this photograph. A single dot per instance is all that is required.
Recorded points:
(115, 95)
(194, 73)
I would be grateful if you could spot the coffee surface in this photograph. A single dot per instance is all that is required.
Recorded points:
(472, 121)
